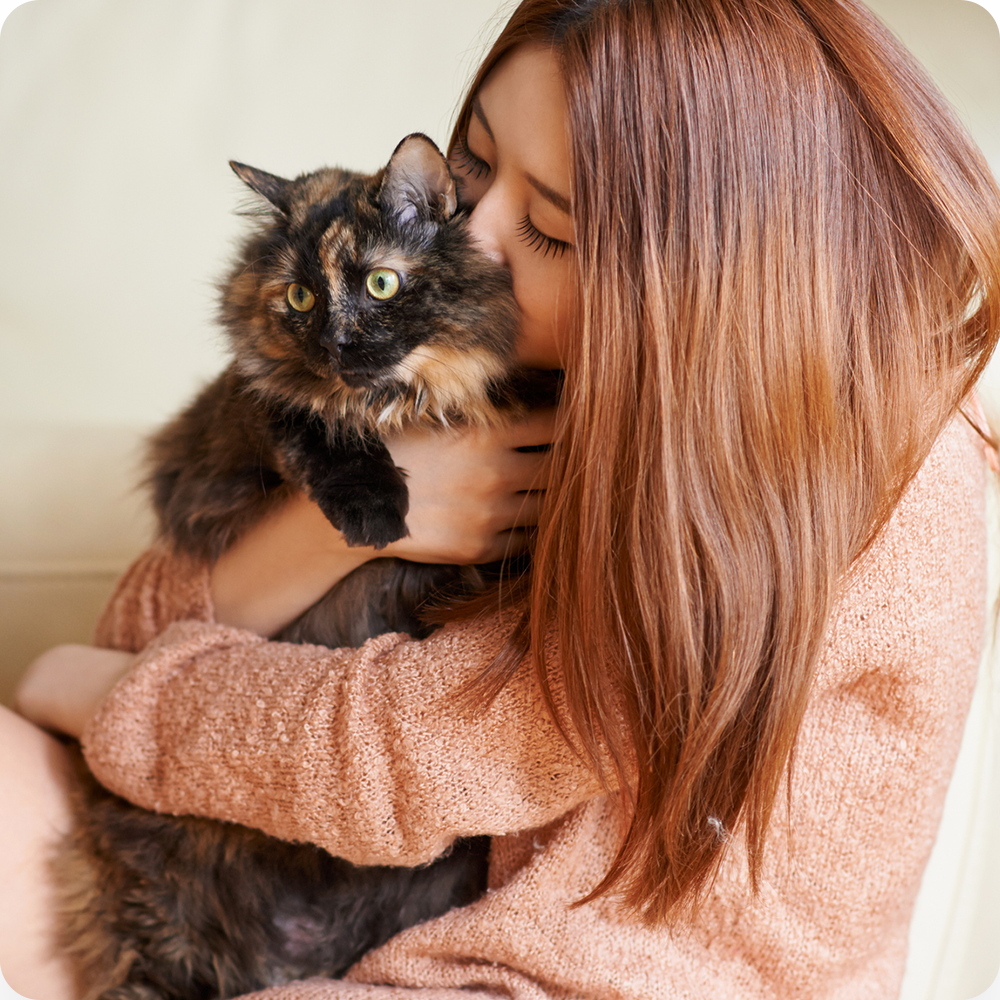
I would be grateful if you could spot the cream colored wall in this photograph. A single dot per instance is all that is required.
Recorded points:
(117, 118)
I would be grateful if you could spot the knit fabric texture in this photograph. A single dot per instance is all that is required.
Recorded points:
(367, 753)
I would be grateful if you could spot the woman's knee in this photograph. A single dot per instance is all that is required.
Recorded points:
(34, 798)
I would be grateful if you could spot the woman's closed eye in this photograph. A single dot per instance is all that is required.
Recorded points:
(529, 233)
(471, 165)
(472, 168)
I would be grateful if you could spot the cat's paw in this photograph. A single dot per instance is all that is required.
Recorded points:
(365, 517)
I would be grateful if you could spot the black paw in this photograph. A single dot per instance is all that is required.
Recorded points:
(364, 516)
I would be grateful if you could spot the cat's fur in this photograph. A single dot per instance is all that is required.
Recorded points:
(303, 405)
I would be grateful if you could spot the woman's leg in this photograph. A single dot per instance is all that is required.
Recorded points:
(34, 803)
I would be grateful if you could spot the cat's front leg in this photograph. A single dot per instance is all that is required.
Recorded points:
(352, 480)
(364, 495)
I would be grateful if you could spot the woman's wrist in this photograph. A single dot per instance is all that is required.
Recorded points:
(281, 567)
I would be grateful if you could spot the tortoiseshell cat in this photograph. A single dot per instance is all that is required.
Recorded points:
(358, 307)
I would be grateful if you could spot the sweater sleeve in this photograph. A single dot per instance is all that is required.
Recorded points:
(160, 587)
(369, 753)
(339, 989)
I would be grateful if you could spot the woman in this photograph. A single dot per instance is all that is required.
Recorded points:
(769, 262)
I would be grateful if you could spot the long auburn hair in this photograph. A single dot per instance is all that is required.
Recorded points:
(788, 253)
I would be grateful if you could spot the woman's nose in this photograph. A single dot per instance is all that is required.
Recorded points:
(485, 226)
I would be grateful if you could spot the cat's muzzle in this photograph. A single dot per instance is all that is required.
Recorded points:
(356, 367)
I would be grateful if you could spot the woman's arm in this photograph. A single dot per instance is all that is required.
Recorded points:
(281, 567)
(348, 719)
(369, 753)
(64, 687)
(471, 494)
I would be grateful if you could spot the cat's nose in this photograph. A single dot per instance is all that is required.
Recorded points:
(336, 341)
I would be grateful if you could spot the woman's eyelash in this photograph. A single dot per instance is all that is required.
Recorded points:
(537, 240)
(477, 168)
(468, 162)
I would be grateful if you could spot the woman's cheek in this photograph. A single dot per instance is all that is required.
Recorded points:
(543, 289)
(531, 339)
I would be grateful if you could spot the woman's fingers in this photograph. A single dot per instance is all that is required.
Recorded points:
(517, 472)
(471, 491)
(522, 510)
(505, 545)
(536, 430)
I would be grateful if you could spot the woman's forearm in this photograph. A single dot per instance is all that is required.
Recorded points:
(371, 753)
(62, 689)
(471, 491)
(281, 567)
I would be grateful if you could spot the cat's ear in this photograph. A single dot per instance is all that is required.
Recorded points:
(274, 189)
(417, 181)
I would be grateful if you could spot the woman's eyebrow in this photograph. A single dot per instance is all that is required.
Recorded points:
(560, 201)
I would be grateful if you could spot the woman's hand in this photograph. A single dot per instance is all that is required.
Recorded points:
(64, 687)
(471, 495)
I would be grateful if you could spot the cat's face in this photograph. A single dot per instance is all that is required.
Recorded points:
(369, 286)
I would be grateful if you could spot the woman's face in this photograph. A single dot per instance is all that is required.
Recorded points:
(513, 167)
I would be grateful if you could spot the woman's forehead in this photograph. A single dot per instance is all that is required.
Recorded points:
(522, 105)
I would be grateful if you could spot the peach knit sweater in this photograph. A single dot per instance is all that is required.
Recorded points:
(365, 753)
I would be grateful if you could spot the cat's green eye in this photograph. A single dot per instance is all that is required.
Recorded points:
(382, 283)
(300, 298)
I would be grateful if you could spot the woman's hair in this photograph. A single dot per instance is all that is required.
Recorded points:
(789, 279)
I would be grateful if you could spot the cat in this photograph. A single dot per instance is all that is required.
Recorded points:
(359, 306)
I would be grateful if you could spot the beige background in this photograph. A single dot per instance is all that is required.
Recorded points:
(117, 118)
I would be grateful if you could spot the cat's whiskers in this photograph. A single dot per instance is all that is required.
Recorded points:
(447, 381)
(425, 395)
